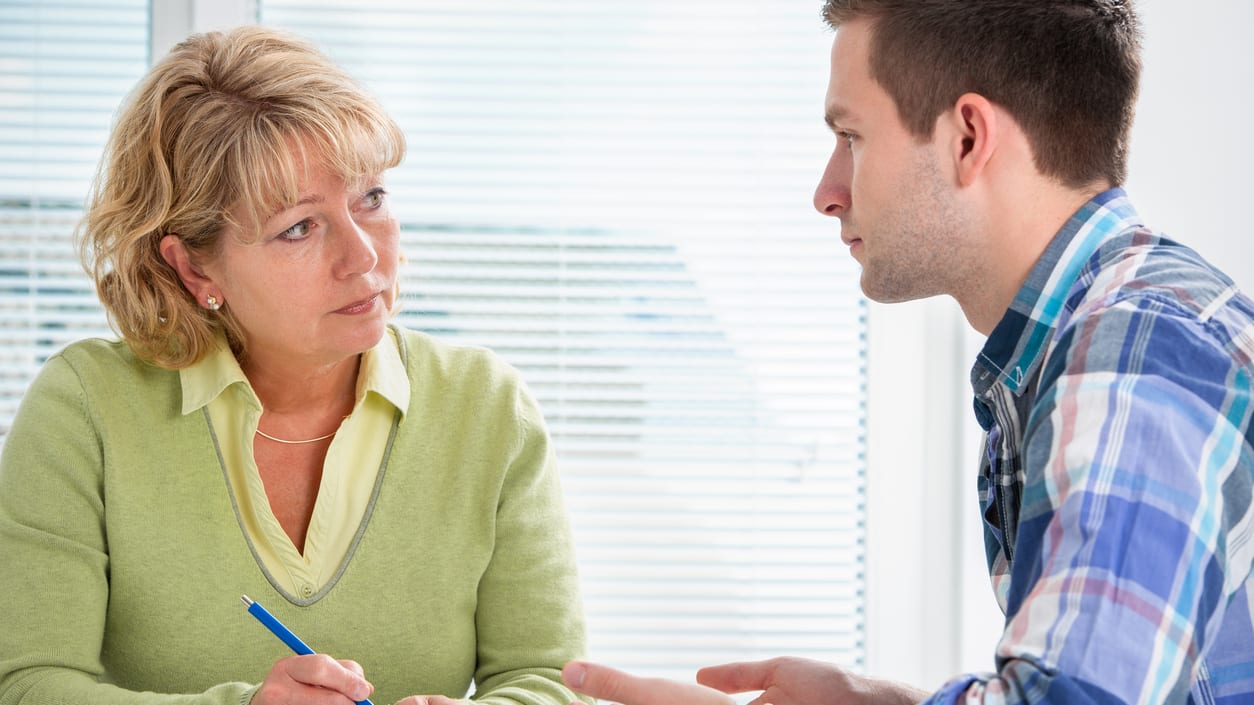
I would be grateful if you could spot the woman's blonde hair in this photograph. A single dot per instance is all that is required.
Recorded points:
(215, 136)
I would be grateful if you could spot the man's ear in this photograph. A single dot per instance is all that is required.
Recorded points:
(976, 132)
(176, 254)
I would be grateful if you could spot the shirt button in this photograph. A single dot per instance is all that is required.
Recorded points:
(306, 591)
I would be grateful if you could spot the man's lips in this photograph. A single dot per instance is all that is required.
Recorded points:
(847, 236)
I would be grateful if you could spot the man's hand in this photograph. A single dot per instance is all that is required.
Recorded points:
(797, 681)
(783, 681)
(605, 683)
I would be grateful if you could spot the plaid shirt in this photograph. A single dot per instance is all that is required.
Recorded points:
(1116, 482)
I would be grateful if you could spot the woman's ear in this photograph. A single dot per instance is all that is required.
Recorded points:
(200, 286)
(976, 133)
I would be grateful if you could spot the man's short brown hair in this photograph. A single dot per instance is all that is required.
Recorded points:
(1067, 70)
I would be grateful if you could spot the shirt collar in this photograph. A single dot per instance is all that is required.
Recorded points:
(382, 372)
(210, 376)
(1013, 352)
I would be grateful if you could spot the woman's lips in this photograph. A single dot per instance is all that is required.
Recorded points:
(364, 306)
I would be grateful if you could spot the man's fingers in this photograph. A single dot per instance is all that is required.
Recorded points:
(605, 683)
(741, 677)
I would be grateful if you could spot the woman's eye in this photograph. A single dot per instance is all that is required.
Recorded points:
(374, 198)
(297, 232)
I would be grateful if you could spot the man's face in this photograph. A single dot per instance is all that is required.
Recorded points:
(889, 190)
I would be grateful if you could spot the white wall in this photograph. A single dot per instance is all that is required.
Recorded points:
(1193, 144)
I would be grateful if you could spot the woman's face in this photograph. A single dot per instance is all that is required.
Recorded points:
(319, 285)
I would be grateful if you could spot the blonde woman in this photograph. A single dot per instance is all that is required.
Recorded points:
(261, 429)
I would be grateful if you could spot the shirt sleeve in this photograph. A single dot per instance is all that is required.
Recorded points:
(530, 617)
(54, 561)
(1134, 526)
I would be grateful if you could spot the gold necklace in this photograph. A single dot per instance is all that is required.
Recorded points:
(263, 434)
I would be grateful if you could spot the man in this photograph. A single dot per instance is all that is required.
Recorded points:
(980, 146)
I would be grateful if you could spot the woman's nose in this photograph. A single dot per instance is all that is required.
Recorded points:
(358, 252)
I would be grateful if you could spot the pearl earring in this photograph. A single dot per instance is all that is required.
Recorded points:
(212, 302)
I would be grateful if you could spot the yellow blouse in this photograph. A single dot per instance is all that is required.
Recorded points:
(348, 475)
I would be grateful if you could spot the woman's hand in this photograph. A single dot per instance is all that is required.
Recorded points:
(430, 700)
(316, 679)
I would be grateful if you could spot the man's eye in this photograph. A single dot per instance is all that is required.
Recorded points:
(846, 137)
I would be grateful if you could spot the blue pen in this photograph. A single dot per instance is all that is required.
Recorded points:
(276, 627)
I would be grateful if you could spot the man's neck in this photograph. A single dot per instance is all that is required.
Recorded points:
(1020, 234)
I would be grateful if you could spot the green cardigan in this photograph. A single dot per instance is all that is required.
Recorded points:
(122, 561)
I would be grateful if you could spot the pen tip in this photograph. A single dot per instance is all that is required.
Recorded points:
(246, 600)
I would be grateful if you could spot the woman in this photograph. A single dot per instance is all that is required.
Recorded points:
(262, 430)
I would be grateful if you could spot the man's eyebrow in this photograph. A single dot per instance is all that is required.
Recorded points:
(835, 114)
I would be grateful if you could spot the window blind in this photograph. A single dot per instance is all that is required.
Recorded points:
(615, 197)
(64, 68)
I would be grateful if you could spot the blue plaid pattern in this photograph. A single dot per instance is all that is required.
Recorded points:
(1116, 489)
